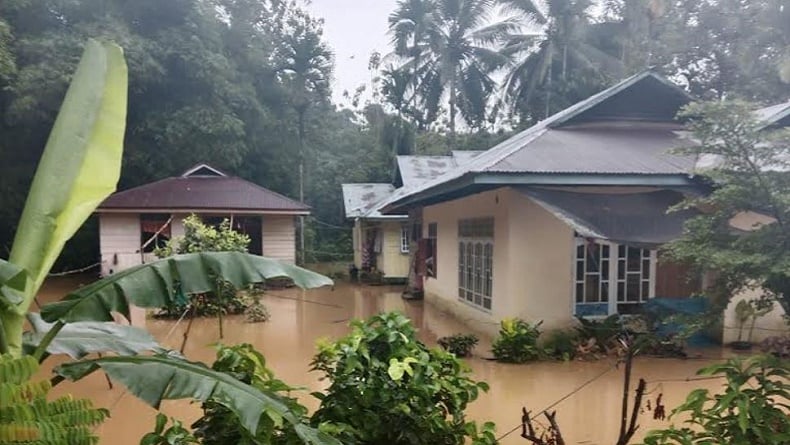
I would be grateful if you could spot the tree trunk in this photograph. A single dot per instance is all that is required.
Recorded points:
(453, 100)
(564, 61)
(301, 114)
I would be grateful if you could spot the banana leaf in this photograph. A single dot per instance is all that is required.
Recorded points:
(12, 284)
(162, 377)
(80, 166)
(80, 339)
(156, 284)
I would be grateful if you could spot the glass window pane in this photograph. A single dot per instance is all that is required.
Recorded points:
(634, 259)
(605, 251)
(593, 258)
(487, 303)
(604, 291)
(591, 288)
(621, 270)
(645, 290)
(621, 251)
(633, 287)
(646, 269)
(580, 292)
(621, 291)
(580, 251)
(579, 270)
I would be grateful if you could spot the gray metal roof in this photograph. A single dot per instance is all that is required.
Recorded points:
(360, 200)
(576, 151)
(602, 148)
(633, 218)
(464, 156)
(775, 114)
(416, 170)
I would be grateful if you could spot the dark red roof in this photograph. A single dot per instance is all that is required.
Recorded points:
(199, 191)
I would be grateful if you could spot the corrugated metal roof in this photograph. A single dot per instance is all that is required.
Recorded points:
(415, 170)
(197, 191)
(633, 218)
(360, 200)
(774, 114)
(497, 157)
(634, 149)
(464, 156)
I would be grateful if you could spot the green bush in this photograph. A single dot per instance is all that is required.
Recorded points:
(386, 387)
(517, 341)
(459, 344)
(176, 434)
(752, 409)
(561, 344)
(602, 335)
(199, 237)
(219, 426)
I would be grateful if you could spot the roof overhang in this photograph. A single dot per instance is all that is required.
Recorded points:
(638, 219)
(472, 183)
(207, 211)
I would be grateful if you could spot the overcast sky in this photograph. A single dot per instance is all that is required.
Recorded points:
(354, 29)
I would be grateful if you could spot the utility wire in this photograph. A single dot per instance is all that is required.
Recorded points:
(562, 399)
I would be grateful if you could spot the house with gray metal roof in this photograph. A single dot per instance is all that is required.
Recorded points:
(133, 222)
(383, 242)
(565, 218)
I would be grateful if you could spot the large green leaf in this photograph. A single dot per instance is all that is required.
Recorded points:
(80, 166)
(80, 339)
(161, 377)
(12, 284)
(154, 285)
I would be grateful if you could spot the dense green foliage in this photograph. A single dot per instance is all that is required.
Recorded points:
(244, 84)
(747, 164)
(517, 341)
(219, 426)
(175, 434)
(752, 409)
(388, 387)
(26, 416)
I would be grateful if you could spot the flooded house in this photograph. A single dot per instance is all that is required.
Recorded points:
(563, 219)
(134, 222)
(382, 242)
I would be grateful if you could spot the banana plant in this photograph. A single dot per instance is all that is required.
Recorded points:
(80, 168)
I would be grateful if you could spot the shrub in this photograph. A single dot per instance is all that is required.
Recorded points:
(176, 434)
(777, 346)
(199, 237)
(257, 312)
(219, 426)
(561, 344)
(386, 387)
(751, 409)
(601, 335)
(459, 344)
(517, 341)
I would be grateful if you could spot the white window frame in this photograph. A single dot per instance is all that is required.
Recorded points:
(476, 262)
(613, 279)
(405, 238)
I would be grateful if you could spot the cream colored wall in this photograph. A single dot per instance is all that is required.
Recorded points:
(356, 233)
(393, 263)
(279, 237)
(770, 325)
(119, 238)
(533, 254)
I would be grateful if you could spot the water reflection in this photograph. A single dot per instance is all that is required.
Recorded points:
(300, 318)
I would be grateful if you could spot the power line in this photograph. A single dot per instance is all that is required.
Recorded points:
(562, 399)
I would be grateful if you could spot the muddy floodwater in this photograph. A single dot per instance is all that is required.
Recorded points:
(590, 416)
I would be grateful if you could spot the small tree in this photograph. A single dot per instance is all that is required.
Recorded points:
(749, 166)
(199, 237)
(388, 387)
(751, 410)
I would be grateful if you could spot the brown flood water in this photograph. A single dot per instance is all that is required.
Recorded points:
(591, 416)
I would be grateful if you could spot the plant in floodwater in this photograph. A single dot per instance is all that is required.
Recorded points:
(561, 344)
(27, 417)
(459, 344)
(257, 312)
(517, 341)
(199, 237)
(79, 168)
(600, 335)
(219, 425)
(387, 387)
(752, 409)
(176, 434)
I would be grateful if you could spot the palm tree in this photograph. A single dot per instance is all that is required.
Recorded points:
(551, 54)
(304, 66)
(456, 59)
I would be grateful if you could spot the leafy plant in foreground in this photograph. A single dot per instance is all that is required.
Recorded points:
(517, 341)
(751, 410)
(27, 417)
(176, 434)
(388, 387)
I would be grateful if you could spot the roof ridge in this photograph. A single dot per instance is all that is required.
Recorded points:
(280, 195)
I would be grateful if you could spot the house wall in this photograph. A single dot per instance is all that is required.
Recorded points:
(356, 234)
(279, 237)
(120, 242)
(770, 325)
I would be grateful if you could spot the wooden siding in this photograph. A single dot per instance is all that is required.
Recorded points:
(279, 238)
(119, 236)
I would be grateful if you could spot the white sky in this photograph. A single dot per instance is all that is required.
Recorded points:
(354, 29)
